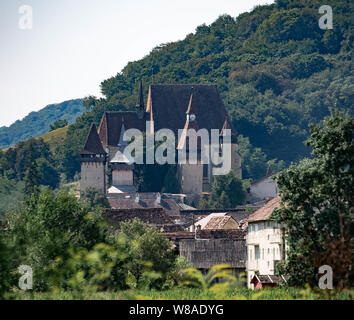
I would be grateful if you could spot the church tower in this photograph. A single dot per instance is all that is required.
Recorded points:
(190, 175)
(93, 161)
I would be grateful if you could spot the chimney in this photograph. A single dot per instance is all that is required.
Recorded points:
(137, 198)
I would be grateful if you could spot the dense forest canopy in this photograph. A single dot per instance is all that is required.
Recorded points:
(276, 70)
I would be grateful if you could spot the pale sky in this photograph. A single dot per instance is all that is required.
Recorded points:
(75, 44)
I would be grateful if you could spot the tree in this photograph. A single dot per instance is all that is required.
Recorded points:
(48, 175)
(226, 192)
(61, 123)
(44, 229)
(318, 204)
(151, 254)
(254, 161)
(95, 198)
(32, 180)
(4, 268)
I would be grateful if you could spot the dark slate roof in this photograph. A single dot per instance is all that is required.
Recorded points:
(235, 234)
(153, 216)
(167, 106)
(111, 124)
(169, 103)
(93, 143)
(169, 205)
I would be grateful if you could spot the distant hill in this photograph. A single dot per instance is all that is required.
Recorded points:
(38, 123)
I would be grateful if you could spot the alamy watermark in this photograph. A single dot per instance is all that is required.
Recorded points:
(326, 281)
(199, 146)
(26, 280)
(26, 17)
(326, 20)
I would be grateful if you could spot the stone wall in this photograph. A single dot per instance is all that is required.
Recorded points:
(203, 254)
(92, 176)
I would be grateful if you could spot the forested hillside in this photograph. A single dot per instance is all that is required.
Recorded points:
(38, 123)
(276, 70)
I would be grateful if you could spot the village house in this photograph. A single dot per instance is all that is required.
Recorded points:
(230, 219)
(212, 247)
(265, 244)
(174, 107)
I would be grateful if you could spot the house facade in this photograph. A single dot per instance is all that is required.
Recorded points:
(174, 107)
(265, 243)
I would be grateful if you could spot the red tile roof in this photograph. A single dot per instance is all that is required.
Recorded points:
(218, 222)
(265, 212)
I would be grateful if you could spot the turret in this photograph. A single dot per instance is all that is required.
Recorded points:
(93, 161)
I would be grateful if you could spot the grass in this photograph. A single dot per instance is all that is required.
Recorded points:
(191, 294)
(55, 137)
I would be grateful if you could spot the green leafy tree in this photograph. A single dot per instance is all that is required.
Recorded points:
(48, 175)
(32, 180)
(151, 255)
(227, 192)
(318, 204)
(45, 227)
(5, 273)
(95, 198)
(104, 267)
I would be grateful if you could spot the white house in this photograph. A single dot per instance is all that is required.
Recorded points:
(265, 242)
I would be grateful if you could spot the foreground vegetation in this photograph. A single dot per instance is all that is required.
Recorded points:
(191, 294)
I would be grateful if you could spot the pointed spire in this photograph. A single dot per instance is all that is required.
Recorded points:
(227, 125)
(121, 142)
(192, 107)
(140, 101)
(93, 143)
(191, 123)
